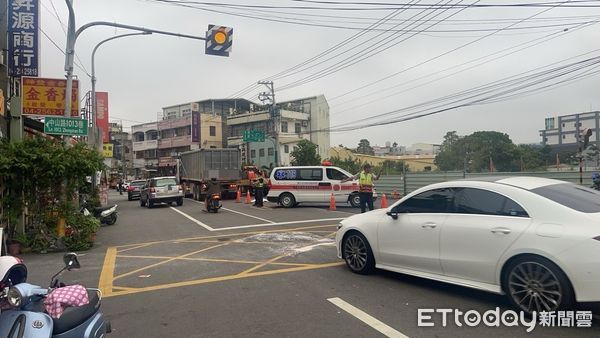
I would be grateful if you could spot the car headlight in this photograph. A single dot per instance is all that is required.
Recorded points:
(339, 226)
(14, 297)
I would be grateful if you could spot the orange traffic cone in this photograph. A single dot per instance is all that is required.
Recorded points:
(383, 201)
(396, 195)
(332, 203)
(248, 200)
(238, 196)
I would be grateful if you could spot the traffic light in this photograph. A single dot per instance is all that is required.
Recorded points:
(218, 40)
(585, 137)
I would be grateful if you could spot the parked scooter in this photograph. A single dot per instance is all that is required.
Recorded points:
(107, 215)
(27, 315)
(213, 204)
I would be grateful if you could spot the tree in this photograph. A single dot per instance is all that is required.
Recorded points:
(364, 147)
(305, 153)
(391, 167)
(489, 150)
(453, 153)
(349, 164)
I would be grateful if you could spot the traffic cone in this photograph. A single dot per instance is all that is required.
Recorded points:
(248, 200)
(238, 196)
(396, 195)
(332, 203)
(383, 201)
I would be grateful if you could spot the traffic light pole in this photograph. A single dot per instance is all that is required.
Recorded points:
(73, 34)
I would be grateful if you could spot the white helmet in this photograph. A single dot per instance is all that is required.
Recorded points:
(12, 271)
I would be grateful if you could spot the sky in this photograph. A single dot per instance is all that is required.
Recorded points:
(374, 63)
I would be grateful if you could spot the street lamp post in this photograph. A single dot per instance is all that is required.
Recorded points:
(93, 118)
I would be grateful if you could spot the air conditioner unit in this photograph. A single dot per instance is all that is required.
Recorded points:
(305, 123)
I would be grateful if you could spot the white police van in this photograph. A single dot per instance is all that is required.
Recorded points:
(289, 186)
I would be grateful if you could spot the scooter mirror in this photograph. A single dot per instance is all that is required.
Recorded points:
(71, 261)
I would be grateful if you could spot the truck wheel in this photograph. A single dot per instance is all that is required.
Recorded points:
(287, 200)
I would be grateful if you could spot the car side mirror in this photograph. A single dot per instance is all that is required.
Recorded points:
(71, 261)
(393, 214)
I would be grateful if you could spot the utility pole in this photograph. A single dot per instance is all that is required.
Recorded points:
(274, 112)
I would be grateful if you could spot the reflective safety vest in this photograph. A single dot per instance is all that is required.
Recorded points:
(366, 182)
(259, 183)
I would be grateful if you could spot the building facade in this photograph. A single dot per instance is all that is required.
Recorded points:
(561, 132)
(156, 145)
(306, 118)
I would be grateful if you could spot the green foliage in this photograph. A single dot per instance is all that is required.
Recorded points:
(305, 154)
(364, 147)
(481, 150)
(350, 165)
(390, 167)
(33, 172)
(80, 229)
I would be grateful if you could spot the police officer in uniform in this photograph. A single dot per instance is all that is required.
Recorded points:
(365, 180)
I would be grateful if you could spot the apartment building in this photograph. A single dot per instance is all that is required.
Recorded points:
(561, 132)
(157, 144)
(306, 118)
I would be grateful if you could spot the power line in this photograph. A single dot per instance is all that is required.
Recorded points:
(62, 51)
(331, 49)
(372, 6)
(80, 65)
(524, 45)
(441, 55)
(495, 90)
(366, 53)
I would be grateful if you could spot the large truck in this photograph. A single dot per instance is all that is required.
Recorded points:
(198, 166)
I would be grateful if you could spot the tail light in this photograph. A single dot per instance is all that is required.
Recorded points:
(130, 188)
(232, 186)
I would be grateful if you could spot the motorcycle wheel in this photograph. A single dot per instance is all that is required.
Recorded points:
(112, 219)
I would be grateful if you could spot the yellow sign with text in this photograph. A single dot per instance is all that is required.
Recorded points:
(46, 97)
(107, 150)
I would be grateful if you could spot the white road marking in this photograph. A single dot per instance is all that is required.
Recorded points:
(209, 228)
(241, 213)
(278, 223)
(367, 319)
(193, 219)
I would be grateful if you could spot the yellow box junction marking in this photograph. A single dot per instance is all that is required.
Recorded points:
(107, 276)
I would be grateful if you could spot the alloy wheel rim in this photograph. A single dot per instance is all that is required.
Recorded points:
(355, 252)
(534, 287)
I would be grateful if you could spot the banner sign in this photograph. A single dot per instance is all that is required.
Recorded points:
(46, 97)
(23, 37)
(195, 126)
(102, 115)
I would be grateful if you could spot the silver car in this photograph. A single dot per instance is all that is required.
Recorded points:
(161, 190)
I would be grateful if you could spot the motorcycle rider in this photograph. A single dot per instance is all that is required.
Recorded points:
(212, 187)
(596, 181)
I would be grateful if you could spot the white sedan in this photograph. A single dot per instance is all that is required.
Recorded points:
(536, 240)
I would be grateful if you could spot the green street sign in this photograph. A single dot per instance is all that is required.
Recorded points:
(65, 126)
(254, 136)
